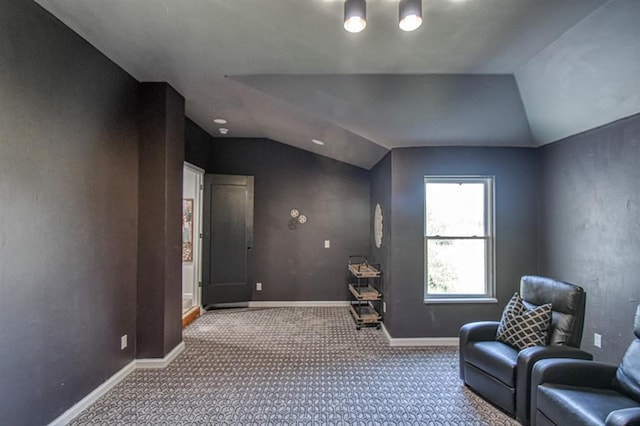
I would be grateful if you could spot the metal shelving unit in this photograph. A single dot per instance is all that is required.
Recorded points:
(364, 283)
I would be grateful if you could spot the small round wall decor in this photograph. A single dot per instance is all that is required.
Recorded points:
(296, 219)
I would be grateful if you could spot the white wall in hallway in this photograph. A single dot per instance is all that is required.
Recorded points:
(192, 179)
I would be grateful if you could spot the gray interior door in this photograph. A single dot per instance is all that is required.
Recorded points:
(227, 240)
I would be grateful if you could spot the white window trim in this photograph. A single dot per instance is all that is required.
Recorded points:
(490, 209)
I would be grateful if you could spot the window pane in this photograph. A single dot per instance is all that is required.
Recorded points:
(456, 266)
(455, 209)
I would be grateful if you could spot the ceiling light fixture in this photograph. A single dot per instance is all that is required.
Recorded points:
(410, 14)
(220, 121)
(355, 15)
(317, 142)
(223, 130)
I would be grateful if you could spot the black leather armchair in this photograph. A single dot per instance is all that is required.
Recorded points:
(579, 392)
(502, 374)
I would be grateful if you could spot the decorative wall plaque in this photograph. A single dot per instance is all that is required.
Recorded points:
(377, 226)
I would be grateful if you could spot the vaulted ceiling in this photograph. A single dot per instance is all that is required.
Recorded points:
(477, 73)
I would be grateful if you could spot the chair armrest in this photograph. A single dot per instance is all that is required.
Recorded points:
(478, 331)
(573, 372)
(475, 332)
(623, 417)
(527, 358)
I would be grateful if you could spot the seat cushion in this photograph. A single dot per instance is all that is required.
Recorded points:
(571, 405)
(495, 358)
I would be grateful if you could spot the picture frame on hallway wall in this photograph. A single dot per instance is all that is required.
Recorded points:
(187, 229)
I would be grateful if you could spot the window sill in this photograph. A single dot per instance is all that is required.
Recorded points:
(444, 300)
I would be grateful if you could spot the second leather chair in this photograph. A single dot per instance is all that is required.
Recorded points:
(502, 374)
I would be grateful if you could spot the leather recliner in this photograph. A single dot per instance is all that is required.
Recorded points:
(579, 392)
(500, 373)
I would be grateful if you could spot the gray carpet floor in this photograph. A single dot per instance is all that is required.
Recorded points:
(286, 366)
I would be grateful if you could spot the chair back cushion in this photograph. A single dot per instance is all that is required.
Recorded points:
(628, 374)
(567, 304)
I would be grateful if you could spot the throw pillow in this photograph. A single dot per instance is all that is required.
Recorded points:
(527, 328)
(514, 307)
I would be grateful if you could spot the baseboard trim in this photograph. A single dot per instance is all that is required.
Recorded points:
(298, 304)
(160, 362)
(98, 392)
(227, 305)
(420, 341)
(112, 381)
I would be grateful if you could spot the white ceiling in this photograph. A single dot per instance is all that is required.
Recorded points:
(475, 73)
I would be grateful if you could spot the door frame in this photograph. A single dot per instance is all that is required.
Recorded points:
(197, 233)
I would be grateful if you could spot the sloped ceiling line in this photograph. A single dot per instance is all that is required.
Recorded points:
(477, 73)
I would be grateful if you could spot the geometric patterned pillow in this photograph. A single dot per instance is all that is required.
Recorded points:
(514, 307)
(526, 328)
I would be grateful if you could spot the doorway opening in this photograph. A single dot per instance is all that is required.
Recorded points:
(193, 178)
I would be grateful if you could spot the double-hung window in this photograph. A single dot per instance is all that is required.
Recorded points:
(459, 239)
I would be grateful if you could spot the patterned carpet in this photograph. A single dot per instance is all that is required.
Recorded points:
(290, 366)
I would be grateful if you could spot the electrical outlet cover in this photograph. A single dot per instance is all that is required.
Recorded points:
(597, 340)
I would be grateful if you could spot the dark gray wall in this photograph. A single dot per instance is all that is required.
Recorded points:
(68, 216)
(293, 265)
(589, 227)
(515, 172)
(198, 144)
(159, 303)
(381, 193)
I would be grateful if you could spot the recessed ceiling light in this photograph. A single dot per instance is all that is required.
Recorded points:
(220, 121)
(317, 142)
(223, 130)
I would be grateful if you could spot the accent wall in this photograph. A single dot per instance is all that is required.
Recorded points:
(590, 227)
(68, 216)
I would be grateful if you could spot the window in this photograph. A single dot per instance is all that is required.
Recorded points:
(459, 240)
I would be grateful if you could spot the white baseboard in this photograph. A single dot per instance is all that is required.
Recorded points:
(298, 304)
(420, 341)
(85, 402)
(160, 362)
(101, 390)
